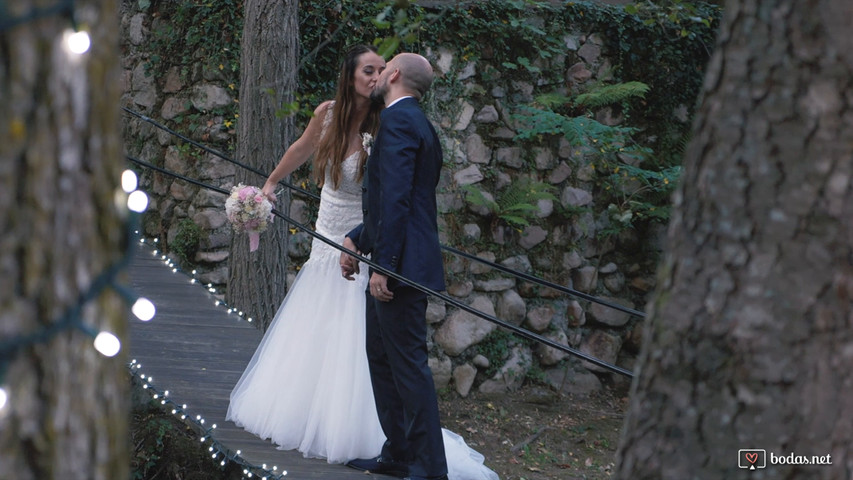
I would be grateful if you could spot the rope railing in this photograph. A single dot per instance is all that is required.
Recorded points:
(447, 299)
(496, 266)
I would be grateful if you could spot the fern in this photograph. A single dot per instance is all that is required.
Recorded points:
(517, 204)
(612, 94)
(579, 131)
(476, 198)
(553, 100)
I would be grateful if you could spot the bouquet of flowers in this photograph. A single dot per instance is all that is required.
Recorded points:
(249, 211)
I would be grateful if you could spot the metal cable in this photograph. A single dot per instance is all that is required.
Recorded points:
(218, 153)
(545, 283)
(452, 301)
(524, 276)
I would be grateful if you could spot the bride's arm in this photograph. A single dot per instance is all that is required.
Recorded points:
(298, 153)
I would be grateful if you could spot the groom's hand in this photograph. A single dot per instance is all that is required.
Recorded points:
(348, 263)
(379, 287)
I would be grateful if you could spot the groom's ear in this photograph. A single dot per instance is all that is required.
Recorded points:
(395, 75)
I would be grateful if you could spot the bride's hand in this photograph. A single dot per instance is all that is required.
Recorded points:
(269, 192)
(348, 263)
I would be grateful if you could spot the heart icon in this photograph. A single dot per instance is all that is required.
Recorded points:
(751, 457)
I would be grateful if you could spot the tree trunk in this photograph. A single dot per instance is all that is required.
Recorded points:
(60, 166)
(749, 342)
(268, 72)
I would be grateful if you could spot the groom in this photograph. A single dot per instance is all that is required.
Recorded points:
(400, 232)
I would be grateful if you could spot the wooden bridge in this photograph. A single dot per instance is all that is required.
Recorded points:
(197, 351)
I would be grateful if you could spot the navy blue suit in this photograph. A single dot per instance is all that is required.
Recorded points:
(400, 232)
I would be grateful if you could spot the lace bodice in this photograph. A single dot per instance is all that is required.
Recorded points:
(340, 209)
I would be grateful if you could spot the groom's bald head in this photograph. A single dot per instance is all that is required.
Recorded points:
(415, 70)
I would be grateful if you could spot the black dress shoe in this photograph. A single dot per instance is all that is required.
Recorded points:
(379, 465)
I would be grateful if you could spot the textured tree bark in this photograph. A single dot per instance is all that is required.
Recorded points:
(268, 72)
(749, 341)
(60, 166)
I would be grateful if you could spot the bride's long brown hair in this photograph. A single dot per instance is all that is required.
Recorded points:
(334, 143)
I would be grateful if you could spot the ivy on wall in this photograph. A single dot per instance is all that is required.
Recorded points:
(664, 45)
(661, 46)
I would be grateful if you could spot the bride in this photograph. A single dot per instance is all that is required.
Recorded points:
(307, 387)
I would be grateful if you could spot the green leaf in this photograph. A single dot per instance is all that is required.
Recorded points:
(612, 94)
(518, 221)
(631, 9)
(552, 100)
(388, 46)
(380, 24)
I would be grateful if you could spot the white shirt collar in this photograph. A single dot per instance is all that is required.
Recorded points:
(395, 101)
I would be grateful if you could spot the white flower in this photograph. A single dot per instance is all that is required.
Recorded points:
(367, 142)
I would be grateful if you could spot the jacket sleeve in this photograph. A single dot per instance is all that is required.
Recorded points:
(355, 235)
(399, 151)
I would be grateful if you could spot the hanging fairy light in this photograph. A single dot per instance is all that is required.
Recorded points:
(77, 42)
(129, 181)
(107, 344)
(137, 201)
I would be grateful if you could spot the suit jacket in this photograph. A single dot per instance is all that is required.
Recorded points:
(400, 228)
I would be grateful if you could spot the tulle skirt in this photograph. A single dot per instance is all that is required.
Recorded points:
(308, 386)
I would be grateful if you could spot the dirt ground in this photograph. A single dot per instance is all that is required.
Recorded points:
(538, 434)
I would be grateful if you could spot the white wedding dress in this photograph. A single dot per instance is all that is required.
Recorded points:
(307, 387)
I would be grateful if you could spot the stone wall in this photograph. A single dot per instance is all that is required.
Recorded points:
(478, 133)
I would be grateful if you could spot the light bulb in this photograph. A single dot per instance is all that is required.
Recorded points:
(77, 42)
(108, 344)
(137, 201)
(129, 181)
(143, 309)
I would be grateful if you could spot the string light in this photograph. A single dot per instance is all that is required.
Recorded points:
(143, 309)
(77, 42)
(137, 201)
(207, 437)
(218, 452)
(104, 342)
(129, 182)
(107, 343)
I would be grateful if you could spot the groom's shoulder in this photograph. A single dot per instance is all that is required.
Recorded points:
(407, 112)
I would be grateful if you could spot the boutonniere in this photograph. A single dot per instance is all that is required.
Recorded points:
(367, 142)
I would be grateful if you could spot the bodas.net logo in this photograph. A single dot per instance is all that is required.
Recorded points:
(752, 458)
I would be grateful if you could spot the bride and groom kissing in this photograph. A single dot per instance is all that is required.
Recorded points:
(342, 372)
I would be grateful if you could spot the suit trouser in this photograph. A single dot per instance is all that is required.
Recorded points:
(402, 382)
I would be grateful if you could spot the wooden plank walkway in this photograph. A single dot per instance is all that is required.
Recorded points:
(197, 351)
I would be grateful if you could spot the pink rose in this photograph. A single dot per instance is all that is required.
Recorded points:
(245, 192)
